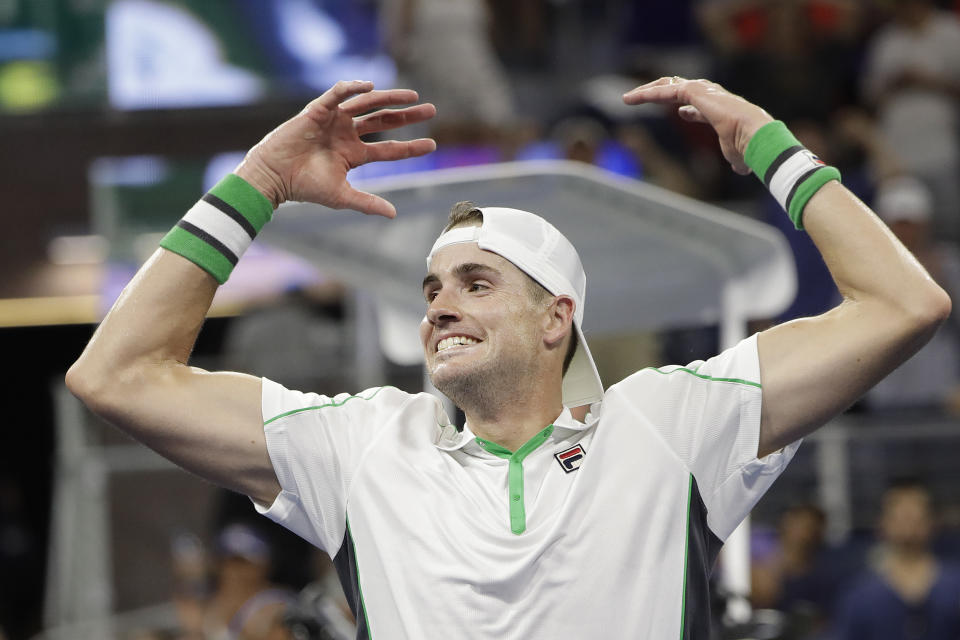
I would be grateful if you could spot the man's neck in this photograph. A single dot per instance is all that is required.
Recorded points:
(911, 572)
(514, 423)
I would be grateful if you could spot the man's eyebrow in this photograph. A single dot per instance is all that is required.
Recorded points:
(467, 268)
(463, 269)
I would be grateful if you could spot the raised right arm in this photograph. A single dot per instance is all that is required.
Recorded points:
(134, 371)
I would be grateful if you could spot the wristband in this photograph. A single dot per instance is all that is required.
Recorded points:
(790, 171)
(220, 226)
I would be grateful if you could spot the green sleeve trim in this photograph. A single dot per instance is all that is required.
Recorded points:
(515, 494)
(806, 190)
(706, 377)
(766, 144)
(199, 252)
(242, 196)
(324, 406)
(686, 554)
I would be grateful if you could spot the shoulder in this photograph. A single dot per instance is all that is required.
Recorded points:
(735, 367)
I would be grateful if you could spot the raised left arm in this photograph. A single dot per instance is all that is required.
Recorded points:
(814, 368)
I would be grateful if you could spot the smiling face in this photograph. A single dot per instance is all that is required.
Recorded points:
(483, 333)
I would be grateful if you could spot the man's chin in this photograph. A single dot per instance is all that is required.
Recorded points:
(443, 377)
(452, 381)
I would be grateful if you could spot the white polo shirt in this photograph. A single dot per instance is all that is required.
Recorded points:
(604, 528)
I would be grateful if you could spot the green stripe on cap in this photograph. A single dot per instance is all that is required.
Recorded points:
(184, 243)
(766, 144)
(239, 194)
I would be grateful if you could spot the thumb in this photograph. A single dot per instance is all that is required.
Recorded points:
(366, 203)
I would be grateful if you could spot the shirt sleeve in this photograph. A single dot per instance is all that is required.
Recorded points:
(708, 413)
(316, 443)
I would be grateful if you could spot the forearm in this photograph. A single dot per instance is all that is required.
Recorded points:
(155, 321)
(814, 368)
(866, 260)
(134, 374)
(153, 324)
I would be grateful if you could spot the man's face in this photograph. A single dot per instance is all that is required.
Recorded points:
(907, 518)
(482, 325)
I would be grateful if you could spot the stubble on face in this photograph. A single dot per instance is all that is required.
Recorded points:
(487, 387)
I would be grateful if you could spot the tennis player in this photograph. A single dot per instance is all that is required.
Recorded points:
(527, 522)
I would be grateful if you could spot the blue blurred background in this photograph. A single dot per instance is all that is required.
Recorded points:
(116, 114)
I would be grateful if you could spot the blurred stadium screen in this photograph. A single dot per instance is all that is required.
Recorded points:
(159, 54)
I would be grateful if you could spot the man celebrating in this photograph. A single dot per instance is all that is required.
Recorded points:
(527, 523)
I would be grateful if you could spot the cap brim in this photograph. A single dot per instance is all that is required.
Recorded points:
(581, 383)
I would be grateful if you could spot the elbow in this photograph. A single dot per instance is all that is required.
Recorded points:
(98, 386)
(925, 313)
(87, 384)
(936, 308)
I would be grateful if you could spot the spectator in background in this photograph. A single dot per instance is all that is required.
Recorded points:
(912, 76)
(244, 604)
(795, 57)
(191, 585)
(443, 47)
(799, 577)
(907, 594)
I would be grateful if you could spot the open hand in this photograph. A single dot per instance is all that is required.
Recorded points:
(734, 119)
(307, 157)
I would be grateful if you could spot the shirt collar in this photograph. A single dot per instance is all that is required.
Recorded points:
(450, 439)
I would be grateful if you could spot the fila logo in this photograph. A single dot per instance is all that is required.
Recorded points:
(571, 458)
(815, 159)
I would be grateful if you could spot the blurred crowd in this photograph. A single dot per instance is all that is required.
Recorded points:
(872, 87)
(899, 582)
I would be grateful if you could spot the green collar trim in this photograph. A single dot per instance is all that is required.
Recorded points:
(518, 512)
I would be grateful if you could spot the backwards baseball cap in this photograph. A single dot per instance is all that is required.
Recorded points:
(538, 249)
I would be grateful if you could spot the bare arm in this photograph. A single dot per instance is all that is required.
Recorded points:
(814, 368)
(134, 371)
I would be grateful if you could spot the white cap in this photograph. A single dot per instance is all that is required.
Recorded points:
(903, 199)
(535, 247)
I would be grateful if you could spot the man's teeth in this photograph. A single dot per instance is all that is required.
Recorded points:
(446, 343)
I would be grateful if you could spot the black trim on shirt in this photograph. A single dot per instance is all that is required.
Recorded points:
(345, 562)
(703, 547)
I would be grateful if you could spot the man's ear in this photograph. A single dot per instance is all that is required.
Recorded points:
(558, 322)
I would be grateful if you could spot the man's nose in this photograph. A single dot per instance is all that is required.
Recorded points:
(443, 309)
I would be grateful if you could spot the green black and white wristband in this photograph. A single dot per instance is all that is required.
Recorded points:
(219, 228)
(790, 171)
